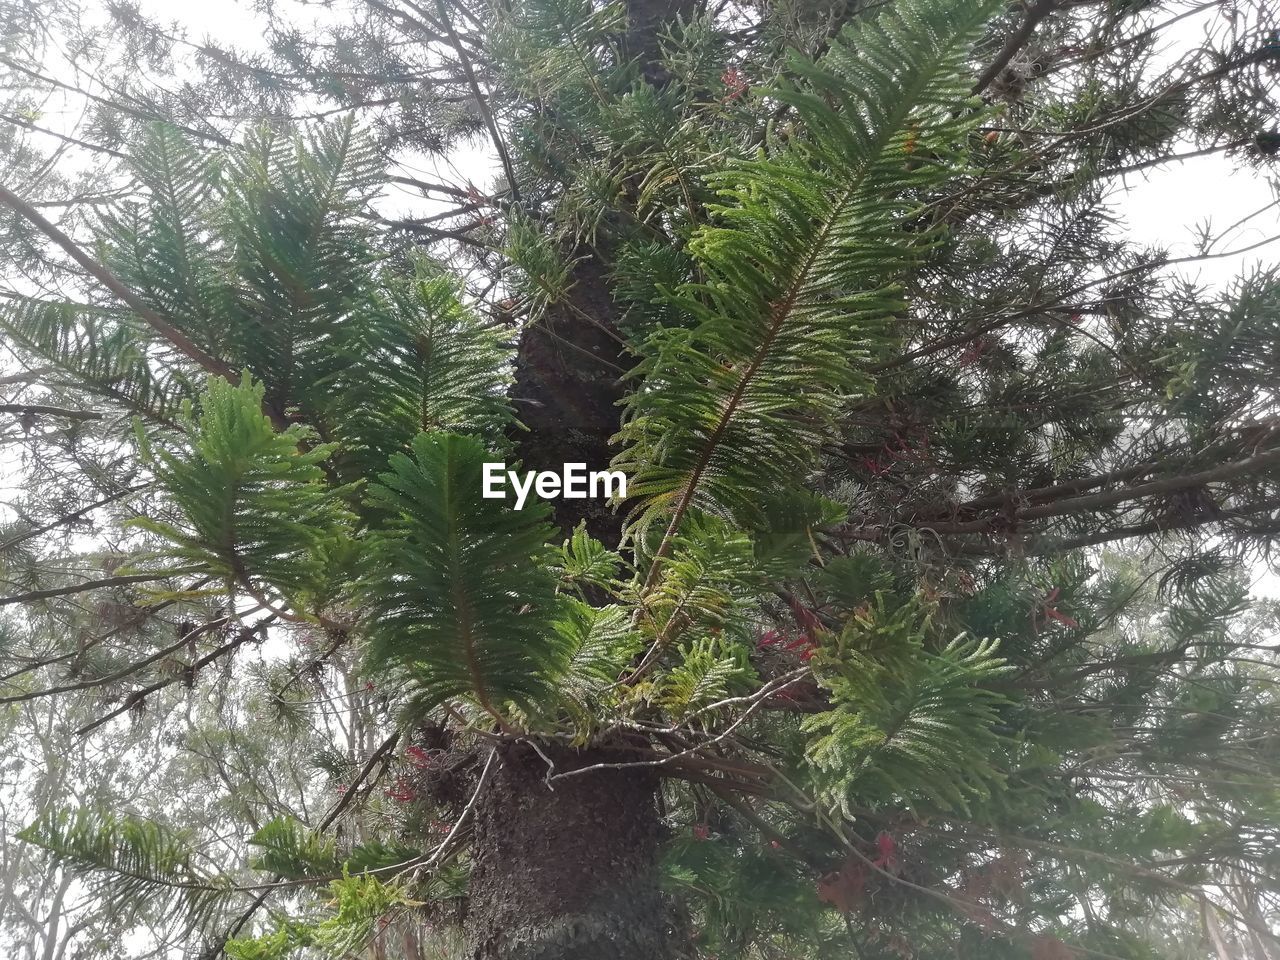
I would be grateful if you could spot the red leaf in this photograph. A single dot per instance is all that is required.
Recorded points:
(805, 618)
(1051, 613)
(421, 758)
(802, 646)
(1061, 617)
(874, 466)
(886, 847)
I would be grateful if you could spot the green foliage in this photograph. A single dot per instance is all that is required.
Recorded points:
(557, 45)
(104, 353)
(255, 506)
(602, 644)
(360, 904)
(1214, 354)
(290, 849)
(587, 563)
(710, 574)
(645, 274)
(264, 259)
(261, 260)
(459, 588)
(907, 724)
(161, 247)
(748, 892)
(659, 141)
(710, 669)
(300, 257)
(422, 361)
(890, 344)
(141, 862)
(852, 580)
(784, 525)
(545, 275)
(803, 265)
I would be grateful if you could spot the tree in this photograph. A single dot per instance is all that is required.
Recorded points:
(923, 629)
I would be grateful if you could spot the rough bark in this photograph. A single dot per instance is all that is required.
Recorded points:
(570, 873)
(567, 873)
(569, 363)
(647, 20)
(567, 392)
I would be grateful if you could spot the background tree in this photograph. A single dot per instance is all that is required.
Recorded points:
(854, 668)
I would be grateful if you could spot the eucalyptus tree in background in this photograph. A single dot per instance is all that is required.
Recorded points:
(924, 629)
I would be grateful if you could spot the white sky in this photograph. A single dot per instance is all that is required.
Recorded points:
(1160, 207)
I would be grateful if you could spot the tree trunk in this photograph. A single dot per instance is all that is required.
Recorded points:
(567, 391)
(569, 363)
(567, 870)
(647, 20)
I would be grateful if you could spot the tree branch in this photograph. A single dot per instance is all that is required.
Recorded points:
(159, 324)
(36, 409)
(71, 517)
(481, 103)
(1017, 40)
(141, 694)
(82, 587)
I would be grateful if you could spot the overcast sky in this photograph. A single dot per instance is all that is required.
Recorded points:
(1157, 207)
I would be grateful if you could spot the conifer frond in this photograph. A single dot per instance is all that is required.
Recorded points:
(742, 888)
(585, 562)
(602, 645)
(462, 365)
(644, 273)
(783, 523)
(660, 142)
(141, 863)
(300, 259)
(557, 44)
(289, 848)
(255, 508)
(163, 248)
(545, 274)
(359, 905)
(460, 590)
(421, 360)
(727, 660)
(907, 724)
(802, 266)
(710, 669)
(102, 353)
(710, 571)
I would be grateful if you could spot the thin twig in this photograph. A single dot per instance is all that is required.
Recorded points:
(1017, 40)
